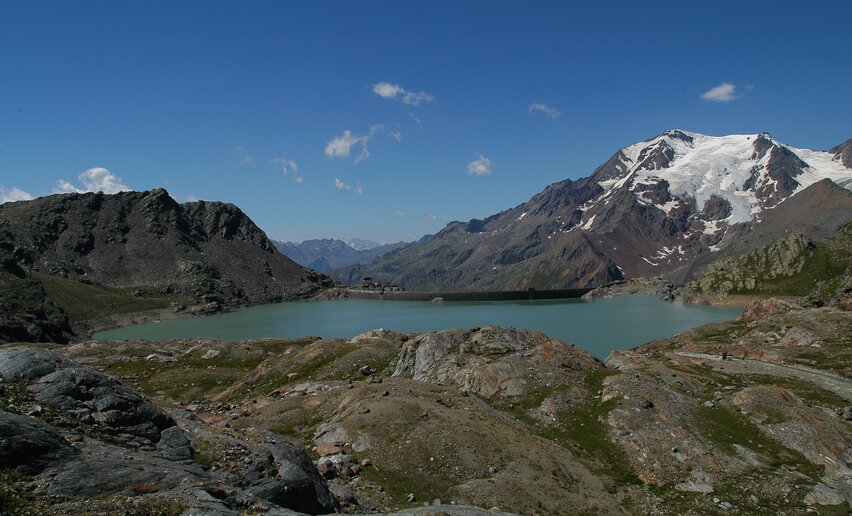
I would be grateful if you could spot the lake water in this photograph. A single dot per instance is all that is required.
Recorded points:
(597, 326)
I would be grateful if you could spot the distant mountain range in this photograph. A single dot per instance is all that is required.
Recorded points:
(665, 206)
(360, 244)
(325, 254)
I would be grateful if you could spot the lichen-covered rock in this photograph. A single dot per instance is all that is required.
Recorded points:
(490, 361)
(743, 274)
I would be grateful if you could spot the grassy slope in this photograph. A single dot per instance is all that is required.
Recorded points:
(82, 301)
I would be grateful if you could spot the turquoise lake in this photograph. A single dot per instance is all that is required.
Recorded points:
(597, 326)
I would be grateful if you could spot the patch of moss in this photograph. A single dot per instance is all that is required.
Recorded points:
(758, 491)
(582, 429)
(297, 425)
(311, 369)
(725, 427)
(285, 372)
(204, 453)
(187, 378)
(399, 484)
(722, 333)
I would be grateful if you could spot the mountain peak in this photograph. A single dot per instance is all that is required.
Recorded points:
(654, 207)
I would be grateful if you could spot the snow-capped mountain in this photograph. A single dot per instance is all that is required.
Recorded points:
(325, 254)
(746, 173)
(660, 206)
(361, 244)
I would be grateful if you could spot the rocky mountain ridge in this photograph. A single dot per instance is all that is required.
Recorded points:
(142, 244)
(793, 266)
(654, 208)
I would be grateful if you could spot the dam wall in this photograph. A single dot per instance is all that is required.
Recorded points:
(493, 295)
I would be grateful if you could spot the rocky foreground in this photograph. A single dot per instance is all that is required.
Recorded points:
(750, 416)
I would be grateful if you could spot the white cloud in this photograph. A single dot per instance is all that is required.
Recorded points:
(289, 168)
(431, 217)
(13, 194)
(396, 135)
(341, 146)
(388, 90)
(481, 166)
(400, 213)
(246, 160)
(540, 107)
(66, 187)
(97, 179)
(345, 187)
(724, 92)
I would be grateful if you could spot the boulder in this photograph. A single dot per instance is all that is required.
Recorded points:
(29, 364)
(92, 397)
(824, 495)
(174, 444)
(31, 446)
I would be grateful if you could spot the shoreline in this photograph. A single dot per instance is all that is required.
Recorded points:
(87, 328)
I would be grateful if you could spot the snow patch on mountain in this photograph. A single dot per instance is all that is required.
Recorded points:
(821, 166)
(699, 166)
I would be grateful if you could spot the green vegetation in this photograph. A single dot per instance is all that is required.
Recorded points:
(758, 491)
(807, 391)
(282, 371)
(722, 333)
(398, 484)
(82, 301)
(789, 267)
(204, 453)
(298, 424)
(725, 427)
(823, 263)
(582, 429)
(586, 430)
(191, 377)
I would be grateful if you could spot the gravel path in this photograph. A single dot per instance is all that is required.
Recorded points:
(828, 381)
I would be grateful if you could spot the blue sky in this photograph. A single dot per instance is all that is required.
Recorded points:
(483, 103)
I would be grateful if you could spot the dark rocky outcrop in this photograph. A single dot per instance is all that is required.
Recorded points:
(148, 239)
(112, 429)
(656, 157)
(716, 208)
(31, 446)
(843, 153)
(26, 312)
(204, 251)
